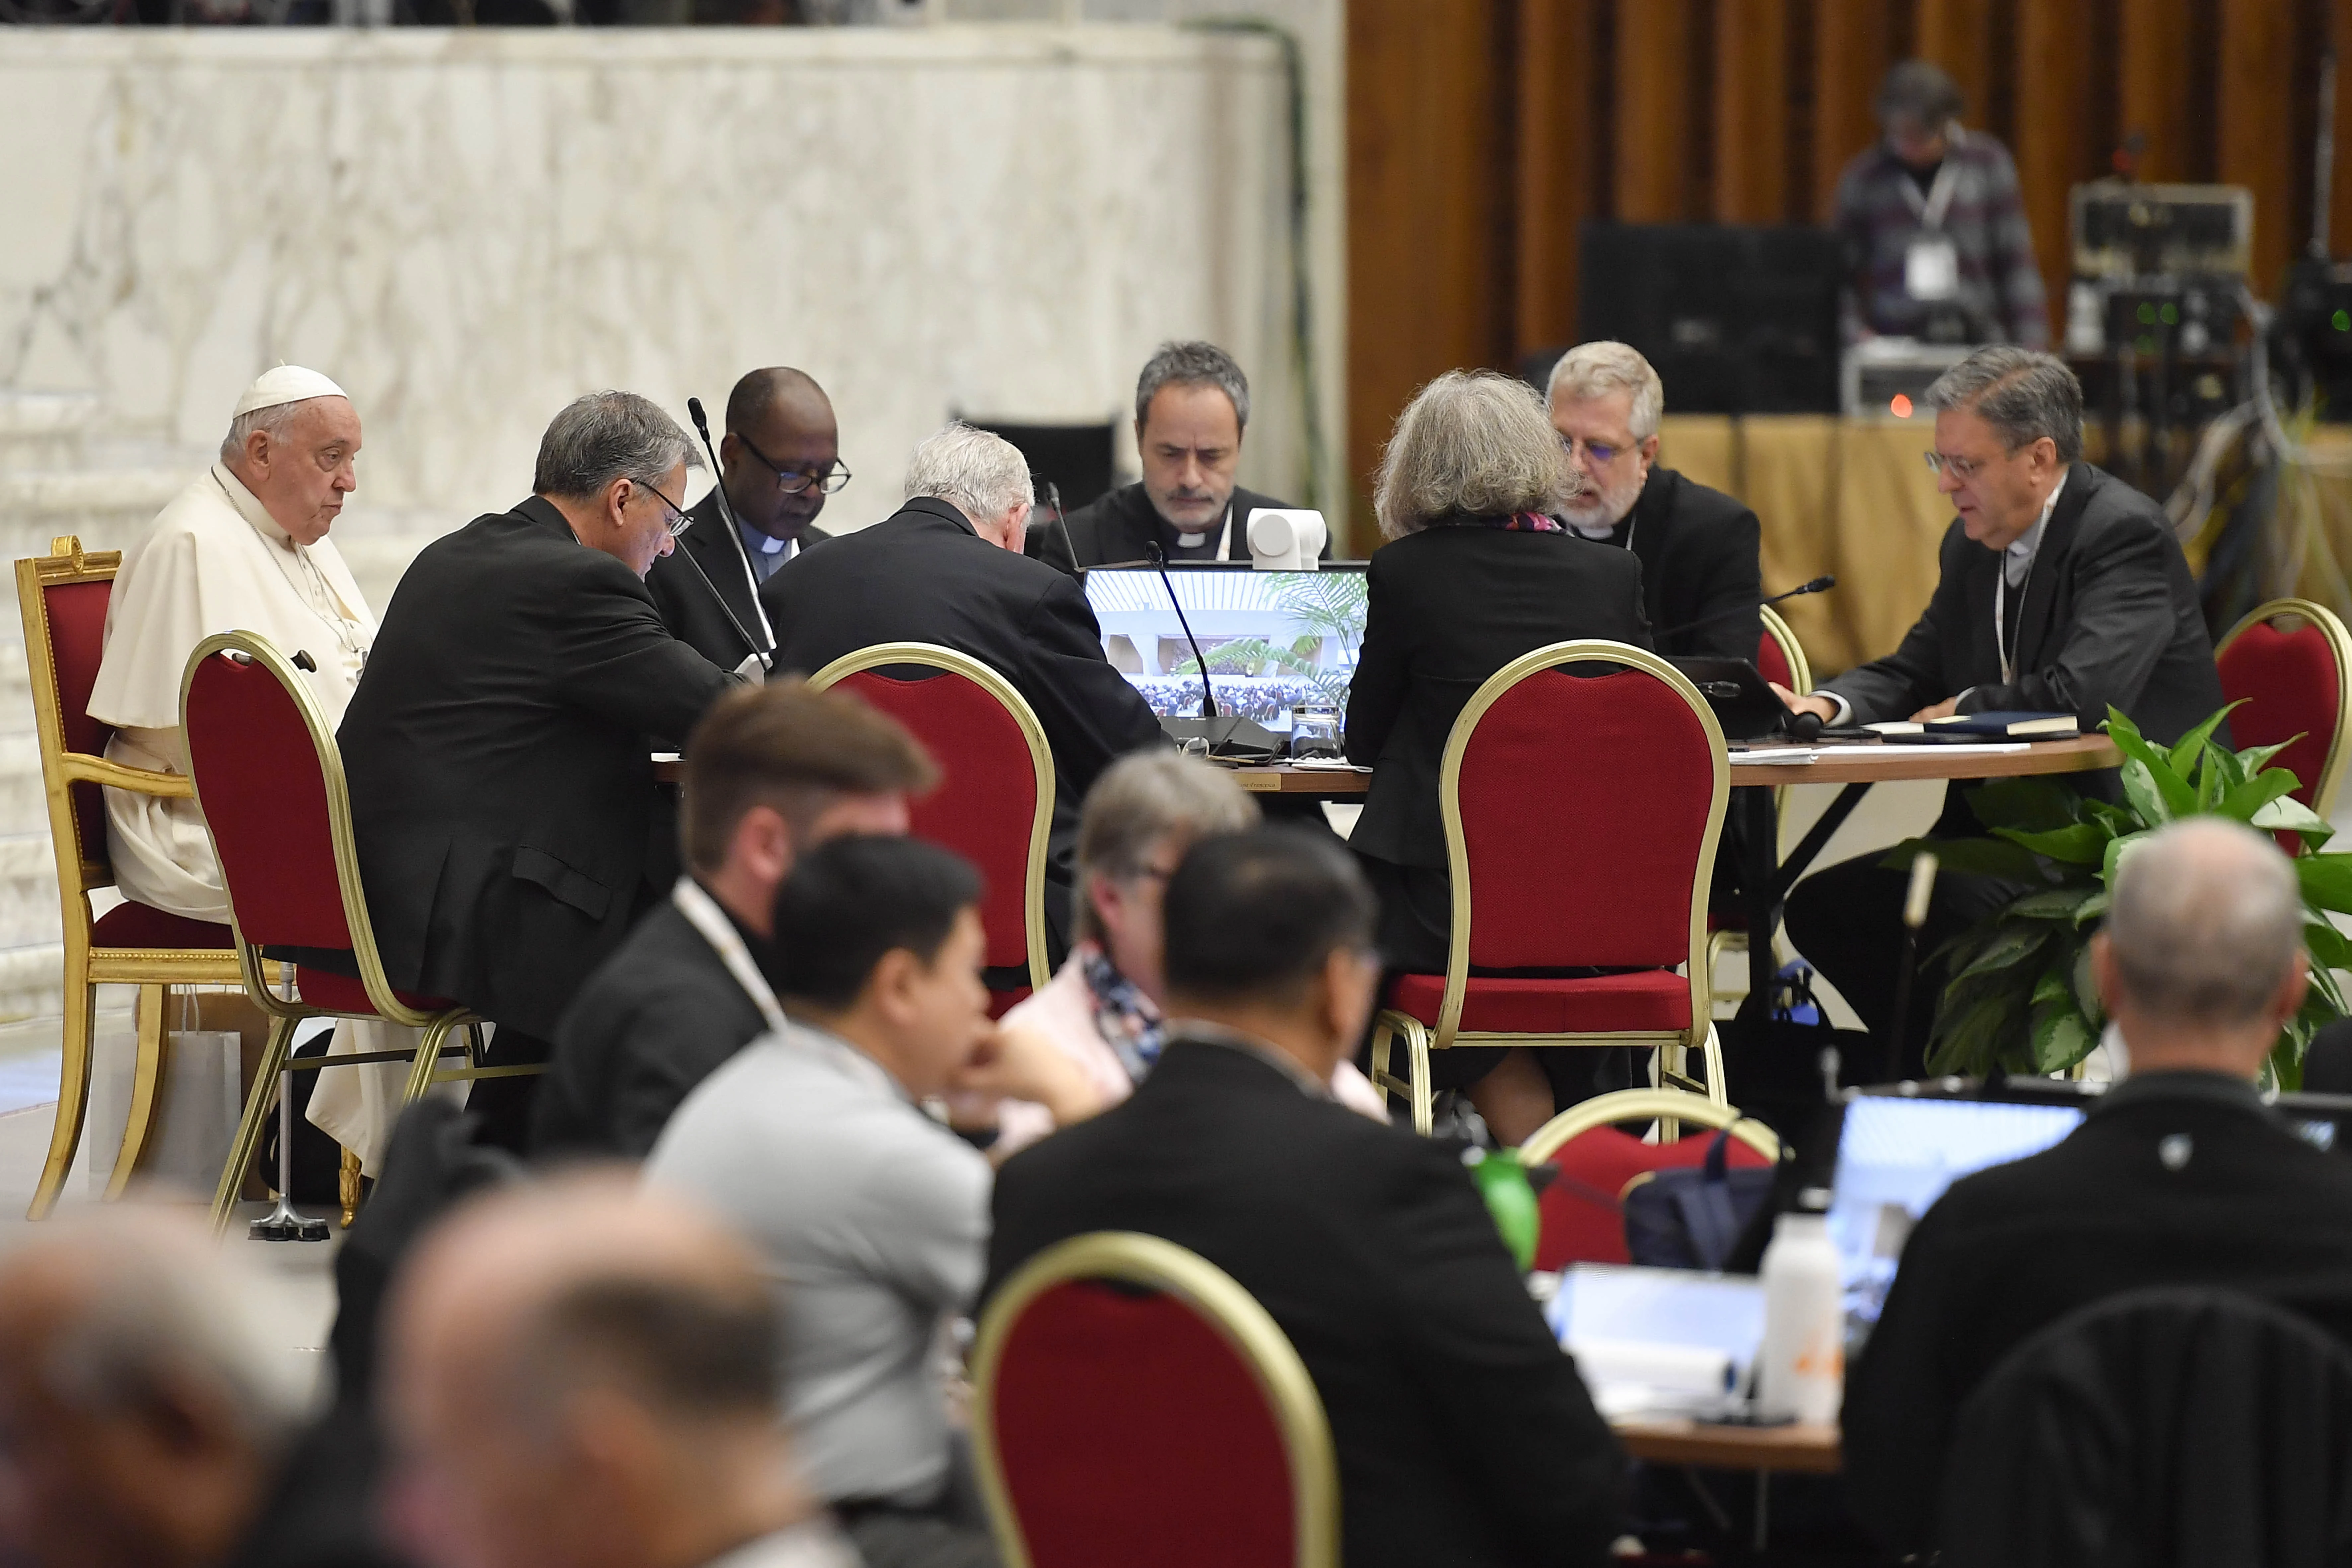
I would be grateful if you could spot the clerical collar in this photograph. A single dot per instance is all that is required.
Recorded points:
(2018, 559)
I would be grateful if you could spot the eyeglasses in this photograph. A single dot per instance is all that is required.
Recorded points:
(792, 481)
(679, 521)
(1961, 469)
(1601, 456)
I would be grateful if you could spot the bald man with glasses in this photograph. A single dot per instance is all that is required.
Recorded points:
(778, 459)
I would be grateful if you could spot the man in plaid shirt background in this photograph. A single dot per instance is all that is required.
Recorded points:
(1936, 237)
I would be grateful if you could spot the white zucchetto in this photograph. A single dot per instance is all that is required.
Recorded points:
(286, 384)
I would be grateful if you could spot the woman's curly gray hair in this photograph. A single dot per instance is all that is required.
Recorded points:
(1474, 442)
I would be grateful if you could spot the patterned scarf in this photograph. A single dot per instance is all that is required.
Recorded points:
(1123, 1012)
(1517, 522)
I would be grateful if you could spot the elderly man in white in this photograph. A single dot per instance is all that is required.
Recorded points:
(244, 547)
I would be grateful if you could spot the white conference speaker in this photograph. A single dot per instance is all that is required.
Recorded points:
(1286, 539)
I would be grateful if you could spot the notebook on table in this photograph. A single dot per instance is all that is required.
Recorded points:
(2006, 726)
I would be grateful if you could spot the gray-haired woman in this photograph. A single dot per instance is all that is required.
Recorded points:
(1476, 572)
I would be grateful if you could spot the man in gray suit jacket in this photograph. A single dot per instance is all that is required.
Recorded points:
(2063, 590)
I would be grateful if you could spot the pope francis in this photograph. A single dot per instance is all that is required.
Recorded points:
(242, 547)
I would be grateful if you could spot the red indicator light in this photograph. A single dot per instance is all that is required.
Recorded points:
(1899, 406)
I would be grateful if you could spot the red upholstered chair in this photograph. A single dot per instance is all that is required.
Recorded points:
(994, 805)
(2290, 661)
(1133, 1404)
(1581, 814)
(1780, 657)
(63, 596)
(270, 780)
(1579, 1215)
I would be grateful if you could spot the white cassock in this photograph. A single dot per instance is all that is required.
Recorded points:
(215, 561)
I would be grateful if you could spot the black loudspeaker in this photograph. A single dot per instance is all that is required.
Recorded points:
(1077, 458)
(1738, 319)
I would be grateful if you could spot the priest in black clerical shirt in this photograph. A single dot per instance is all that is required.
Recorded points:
(1700, 581)
(1191, 405)
(778, 459)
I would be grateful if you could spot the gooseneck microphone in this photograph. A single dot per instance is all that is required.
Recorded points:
(702, 427)
(1054, 495)
(1159, 559)
(1820, 585)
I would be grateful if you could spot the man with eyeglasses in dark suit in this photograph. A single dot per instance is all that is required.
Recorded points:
(778, 459)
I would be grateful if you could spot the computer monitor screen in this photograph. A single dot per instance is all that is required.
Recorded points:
(1272, 639)
(1896, 1156)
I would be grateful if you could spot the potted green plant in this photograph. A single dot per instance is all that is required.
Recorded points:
(2020, 997)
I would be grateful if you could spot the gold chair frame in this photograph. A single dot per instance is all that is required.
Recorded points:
(1800, 681)
(931, 655)
(2339, 644)
(287, 1010)
(1668, 1106)
(1671, 1045)
(83, 868)
(1238, 1319)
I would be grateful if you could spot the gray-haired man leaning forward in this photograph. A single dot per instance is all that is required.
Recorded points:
(947, 568)
(2180, 1177)
(2062, 591)
(502, 788)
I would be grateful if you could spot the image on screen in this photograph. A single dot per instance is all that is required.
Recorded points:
(1895, 1157)
(1272, 639)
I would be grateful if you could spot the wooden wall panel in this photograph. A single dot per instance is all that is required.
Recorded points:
(1853, 46)
(2257, 146)
(1427, 156)
(1559, 145)
(1752, 112)
(2339, 203)
(1958, 36)
(1654, 128)
(2058, 143)
(2154, 73)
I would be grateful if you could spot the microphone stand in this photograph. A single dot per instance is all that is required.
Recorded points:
(1054, 495)
(767, 656)
(1218, 734)
(1915, 915)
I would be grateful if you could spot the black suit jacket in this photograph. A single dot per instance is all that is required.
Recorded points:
(1113, 529)
(685, 602)
(657, 1018)
(923, 576)
(1465, 1436)
(2010, 1250)
(499, 753)
(2110, 615)
(1449, 606)
(1698, 548)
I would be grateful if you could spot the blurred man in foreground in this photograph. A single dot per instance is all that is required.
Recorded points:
(770, 770)
(2179, 1175)
(1463, 1434)
(1191, 408)
(583, 1375)
(146, 1422)
(778, 461)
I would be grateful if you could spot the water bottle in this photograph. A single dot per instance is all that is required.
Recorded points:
(1801, 1370)
(1503, 1183)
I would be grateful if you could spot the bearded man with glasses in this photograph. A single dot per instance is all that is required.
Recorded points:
(778, 459)
(1697, 546)
(2063, 591)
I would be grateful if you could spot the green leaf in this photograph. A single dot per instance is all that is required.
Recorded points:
(2086, 985)
(2052, 986)
(2034, 805)
(2328, 947)
(2012, 945)
(2293, 816)
(2060, 1038)
(2242, 803)
(2223, 764)
(2121, 818)
(2255, 759)
(2057, 904)
(1968, 1039)
(2327, 880)
(2082, 844)
(2095, 908)
(1973, 857)
(2191, 746)
(2154, 790)
(2117, 849)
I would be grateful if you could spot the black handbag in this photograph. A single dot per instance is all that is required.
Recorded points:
(1693, 1218)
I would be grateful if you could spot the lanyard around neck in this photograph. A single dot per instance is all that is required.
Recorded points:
(2000, 613)
(702, 913)
(1930, 209)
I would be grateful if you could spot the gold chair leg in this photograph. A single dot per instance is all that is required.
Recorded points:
(1717, 1089)
(347, 1186)
(147, 1091)
(1382, 1038)
(1424, 1099)
(73, 1083)
(427, 1057)
(265, 1074)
